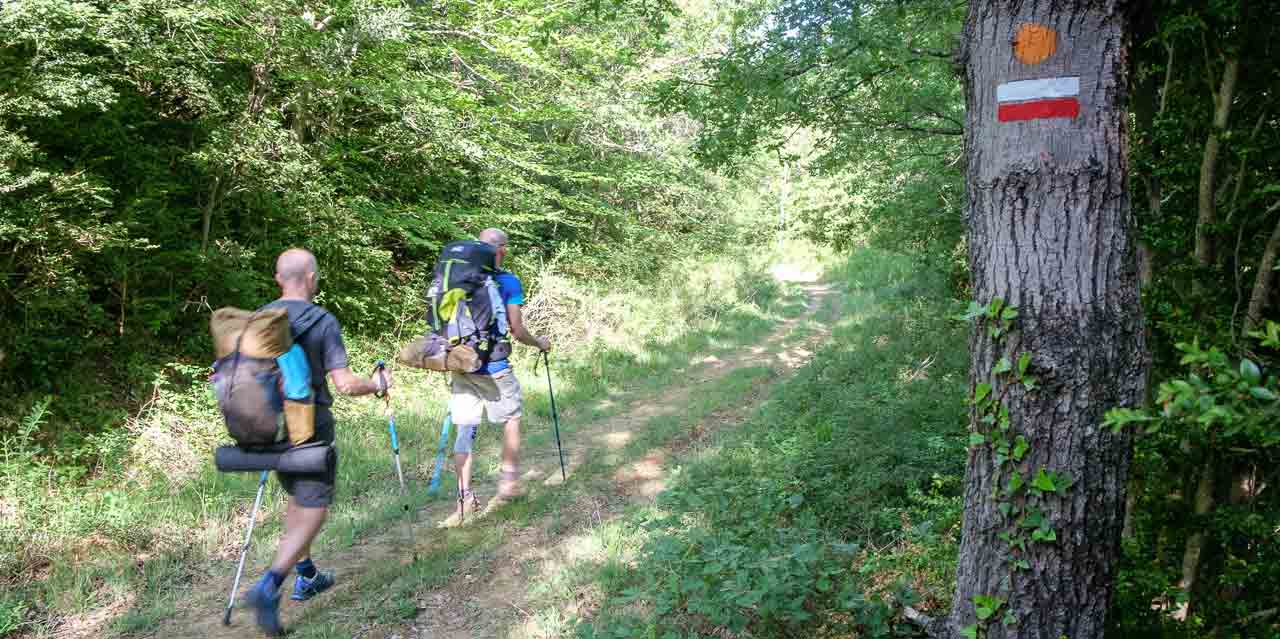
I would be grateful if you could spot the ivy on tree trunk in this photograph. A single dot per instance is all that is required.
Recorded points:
(1050, 232)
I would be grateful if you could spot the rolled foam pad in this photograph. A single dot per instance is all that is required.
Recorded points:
(308, 459)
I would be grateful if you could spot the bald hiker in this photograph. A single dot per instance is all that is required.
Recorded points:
(493, 392)
(319, 335)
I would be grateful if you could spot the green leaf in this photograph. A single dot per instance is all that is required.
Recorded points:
(1249, 371)
(1014, 484)
(1020, 448)
(971, 632)
(1043, 534)
(986, 606)
(1011, 619)
(1024, 361)
(1043, 482)
(977, 439)
(1009, 313)
(1002, 366)
(1264, 394)
(1029, 382)
(974, 311)
(1021, 564)
(981, 392)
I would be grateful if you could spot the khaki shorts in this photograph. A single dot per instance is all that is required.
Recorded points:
(496, 396)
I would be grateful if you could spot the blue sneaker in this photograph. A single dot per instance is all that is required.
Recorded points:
(265, 599)
(304, 589)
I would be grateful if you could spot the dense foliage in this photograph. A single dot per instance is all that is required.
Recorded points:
(868, 85)
(156, 154)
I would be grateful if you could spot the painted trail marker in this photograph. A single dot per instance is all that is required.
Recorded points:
(1038, 99)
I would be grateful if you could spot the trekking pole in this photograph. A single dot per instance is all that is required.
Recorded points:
(440, 454)
(253, 517)
(555, 416)
(391, 422)
(380, 368)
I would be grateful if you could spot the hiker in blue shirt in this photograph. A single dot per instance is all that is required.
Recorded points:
(493, 392)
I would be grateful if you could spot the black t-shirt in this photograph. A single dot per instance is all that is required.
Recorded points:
(321, 340)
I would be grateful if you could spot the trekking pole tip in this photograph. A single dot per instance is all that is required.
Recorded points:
(226, 618)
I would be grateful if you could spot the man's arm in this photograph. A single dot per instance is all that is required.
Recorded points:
(348, 384)
(516, 320)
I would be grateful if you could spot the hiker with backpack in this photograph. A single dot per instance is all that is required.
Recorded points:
(318, 335)
(493, 390)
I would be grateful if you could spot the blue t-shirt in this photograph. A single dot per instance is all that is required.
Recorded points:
(512, 293)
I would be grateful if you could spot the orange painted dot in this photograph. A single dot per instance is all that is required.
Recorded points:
(1034, 43)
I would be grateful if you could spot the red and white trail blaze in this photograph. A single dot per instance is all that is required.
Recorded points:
(1038, 99)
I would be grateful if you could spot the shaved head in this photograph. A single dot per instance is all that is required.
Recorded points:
(294, 265)
(493, 236)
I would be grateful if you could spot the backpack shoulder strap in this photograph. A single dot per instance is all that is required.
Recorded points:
(307, 319)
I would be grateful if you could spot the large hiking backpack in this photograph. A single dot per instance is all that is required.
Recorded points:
(466, 313)
(262, 375)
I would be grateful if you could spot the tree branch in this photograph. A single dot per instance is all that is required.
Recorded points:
(925, 129)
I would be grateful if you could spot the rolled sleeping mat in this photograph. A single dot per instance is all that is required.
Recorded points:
(307, 459)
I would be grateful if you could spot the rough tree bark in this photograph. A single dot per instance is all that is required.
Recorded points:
(1050, 232)
(1266, 274)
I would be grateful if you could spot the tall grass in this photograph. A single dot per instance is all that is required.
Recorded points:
(837, 502)
(131, 535)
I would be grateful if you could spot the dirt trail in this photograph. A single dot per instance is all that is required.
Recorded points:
(483, 596)
(485, 600)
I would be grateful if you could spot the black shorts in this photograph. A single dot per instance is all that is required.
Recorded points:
(314, 490)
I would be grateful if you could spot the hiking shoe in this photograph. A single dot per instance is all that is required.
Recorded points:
(510, 489)
(472, 505)
(304, 589)
(509, 486)
(265, 600)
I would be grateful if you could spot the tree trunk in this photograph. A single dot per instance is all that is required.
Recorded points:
(1208, 214)
(1195, 543)
(1050, 232)
(1266, 274)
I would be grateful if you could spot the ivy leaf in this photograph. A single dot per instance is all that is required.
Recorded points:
(1024, 361)
(1034, 520)
(1043, 482)
(1029, 382)
(1044, 534)
(1015, 484)
(1009, 313)
(974, 311)
(1011, 619)
(1021, 564)
(1002, 366)
(981, 392)
(986, 606)
(977, 439)
(970, 632)
(1020, 448)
